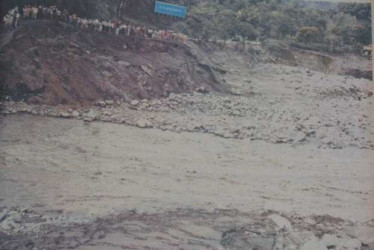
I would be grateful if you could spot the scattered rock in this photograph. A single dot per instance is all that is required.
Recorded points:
(107, 113)
(364, 233)
(143, 123)
(100, 103)
(327, 141)
(281, 222)
(91, 115)
(235, 112)
(135, 102)
(147, 70)
(202, 90)
(243, 239)
(330, 240)
(314, 245)
(300, 137)
(8, 225)
(124, 63)
(14, 216)
(200, 231)
(3, 215)
(283, 242)
(351, 244)
(109, 102)
(65, 115)
(235, 92)
(75, 114)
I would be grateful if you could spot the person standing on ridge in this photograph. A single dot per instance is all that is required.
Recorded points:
(34, 12)
(16, 17)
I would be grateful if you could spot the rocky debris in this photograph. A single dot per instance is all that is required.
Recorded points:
(351, 244)
(330, 241)
(300, 137)
(3, 215)
(247, 239)
(65, 114)
(109, 102)
(281, 222)
(351, 91)
(307, 117)
(314, 245)
(188, 228)
(75, 114)
(309, 73)
(211, 114)
(202, 90)
(15, 220)
(124, 63)
(365, 234)
(100, 103)
(147, 69)
(90, 115)
(334, 242)
(143, 123)
(277, 236)
(106, 103)
(135, 102)
(235, 112)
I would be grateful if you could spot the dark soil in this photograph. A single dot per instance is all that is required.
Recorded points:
(47, 62)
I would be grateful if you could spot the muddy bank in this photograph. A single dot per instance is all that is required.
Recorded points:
(276, 104)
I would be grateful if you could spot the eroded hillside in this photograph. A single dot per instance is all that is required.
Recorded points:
(53, 63)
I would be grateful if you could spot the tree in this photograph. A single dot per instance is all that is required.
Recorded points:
(307, 34)
(121, 6)
(281, 25)
(246, 31)
(360, 11)
(225, 23)
(348, 29)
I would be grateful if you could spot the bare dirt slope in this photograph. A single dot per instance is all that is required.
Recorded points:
(349, 64)
(48, 62)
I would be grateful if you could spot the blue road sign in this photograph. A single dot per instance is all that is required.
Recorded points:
(170, 9)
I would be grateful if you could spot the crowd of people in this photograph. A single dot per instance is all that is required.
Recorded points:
(35, 12)
(115, 27)
(11, 19)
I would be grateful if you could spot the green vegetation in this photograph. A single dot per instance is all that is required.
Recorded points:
(335, 25)
(326, 25)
